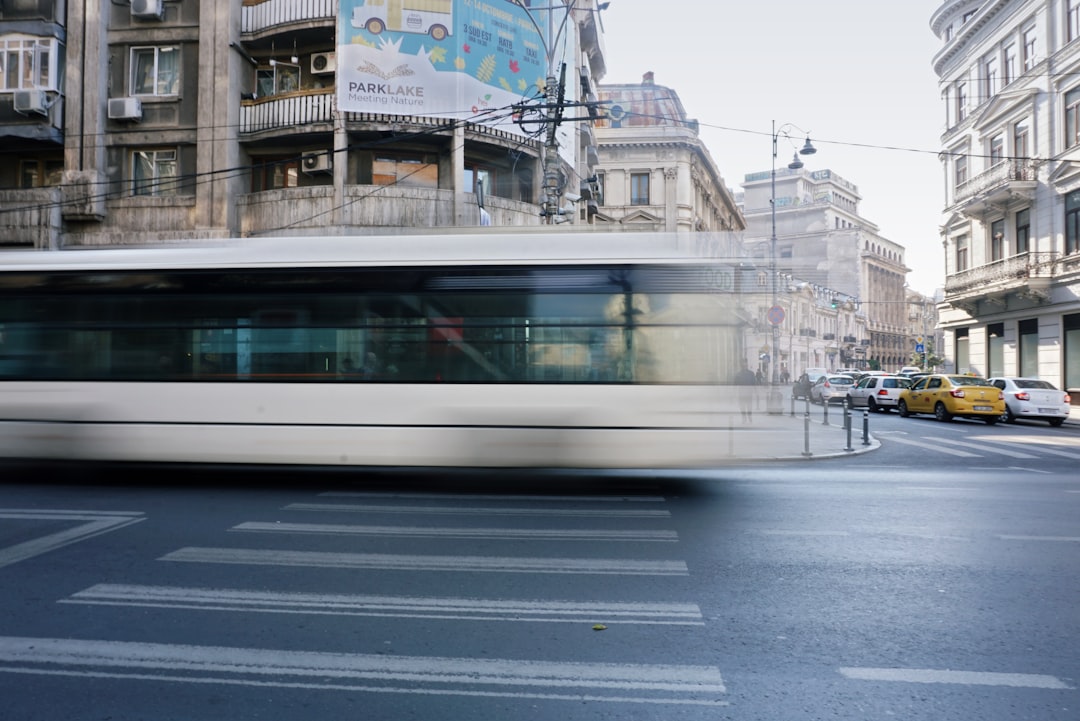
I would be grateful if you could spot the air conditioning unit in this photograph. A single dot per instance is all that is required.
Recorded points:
(125, 109)
(323, 63)
(31, 101)
(148, 9)
(317, 162)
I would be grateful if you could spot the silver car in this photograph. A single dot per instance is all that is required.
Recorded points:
(877, 392)
(1033, 399)
(831, 389)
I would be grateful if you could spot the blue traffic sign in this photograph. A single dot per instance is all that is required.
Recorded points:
(920, 348)
(776, 315)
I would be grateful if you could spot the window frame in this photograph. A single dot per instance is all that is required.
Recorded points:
(997, 240)
(1071, 103)
(963, 252)
(36, 63)
(1023, 231)
(640, 181)
(162, 85)
(1072, 222)
(156, 185)
(266, 170)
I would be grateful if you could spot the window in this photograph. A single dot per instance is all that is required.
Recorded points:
(155, 71)
(154, 172)
(277, 79)
(1072, 20)
(27, 63)
(963, 353)
(997, 149)
(639, 188)
(37, 173)
(961, 102)
(412, 170)
(960, 169)
(995, 353)
(990, 76)
(601, 188)
(961, 253)
(1020, 139)
(273, 173)
(1072, 222)
(1009, 67)
(997, 240)
(1029, 48)
(1072, 117)
(1023, 230)
(1028, 352)
(476, 174)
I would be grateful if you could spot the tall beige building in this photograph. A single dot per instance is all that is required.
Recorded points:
(1010, 153)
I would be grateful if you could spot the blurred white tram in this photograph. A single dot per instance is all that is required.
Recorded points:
(586, 351)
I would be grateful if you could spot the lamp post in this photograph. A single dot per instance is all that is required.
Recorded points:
(775, 397)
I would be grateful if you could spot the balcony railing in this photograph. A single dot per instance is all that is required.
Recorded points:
(287, 111)
(259, 15)
(1009, 272)
(1007, 171)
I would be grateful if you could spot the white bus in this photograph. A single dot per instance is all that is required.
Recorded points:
(584, 351)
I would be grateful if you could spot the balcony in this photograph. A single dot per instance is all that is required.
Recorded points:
(1027, 275)
(300, 111)
(259, 17)
(850, 339)
(829, 336)
(31, 217)
(996, 188)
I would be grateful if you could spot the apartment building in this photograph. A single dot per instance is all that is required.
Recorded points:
(157, 121)
(1009, 73)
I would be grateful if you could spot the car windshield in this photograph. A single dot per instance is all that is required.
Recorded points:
(841, 380)
(968, 381)
(1030, 383)
(895, 383)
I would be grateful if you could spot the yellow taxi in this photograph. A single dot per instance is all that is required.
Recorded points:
(947, 396)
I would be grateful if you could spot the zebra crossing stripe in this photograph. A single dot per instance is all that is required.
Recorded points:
(469, 609)
(379, 673)
(481, 510)
(932, 446)
(983, 447)
(385, 561)
(530, 534)
(964, 678)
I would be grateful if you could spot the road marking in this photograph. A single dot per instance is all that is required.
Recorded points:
(480, 510)
(933, 447)
(493, 497)
(1042, 446)
(1055, 539)
(531, 534)
(966, 678)
(377, 673)
(781, 532)
(476, 564)
(981, 447)
(469, 609)
(96, 523)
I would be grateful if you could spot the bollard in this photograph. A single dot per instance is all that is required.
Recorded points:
(866, 427)
(847, 425)
(806, 432)
(793, 405)
(825, 411)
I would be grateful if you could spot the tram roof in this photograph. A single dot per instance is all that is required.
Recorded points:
(390, 250)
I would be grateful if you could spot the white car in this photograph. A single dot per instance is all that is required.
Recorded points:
(877, 392)
(831, 389)
(1033, 399)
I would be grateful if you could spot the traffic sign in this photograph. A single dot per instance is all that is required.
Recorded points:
(776, 315)
(920, 348)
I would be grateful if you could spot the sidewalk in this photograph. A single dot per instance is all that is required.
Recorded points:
(783, 436)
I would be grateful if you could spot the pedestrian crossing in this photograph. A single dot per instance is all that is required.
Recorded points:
(641, 549)
(975, 446)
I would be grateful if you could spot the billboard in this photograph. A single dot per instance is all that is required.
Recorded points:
(445, 58)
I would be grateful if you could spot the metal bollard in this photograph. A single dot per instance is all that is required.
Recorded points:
(825, 411)
(866, 427)
(793, 404)
(806, 432)
(847, 425)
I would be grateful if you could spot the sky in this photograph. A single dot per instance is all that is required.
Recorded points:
(856, 74)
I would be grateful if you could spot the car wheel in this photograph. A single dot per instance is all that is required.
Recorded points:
(871, 405)
(1010, 417)
(901, 408)
(1055, 422)
(991, 420)
(941, 413)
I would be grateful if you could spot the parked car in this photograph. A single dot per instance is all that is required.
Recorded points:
(947, 396)
(831, 389)
(877, 392)
(908, 370)
(801, 388)
(1033, 399)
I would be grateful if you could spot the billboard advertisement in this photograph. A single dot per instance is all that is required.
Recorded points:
(445, 58)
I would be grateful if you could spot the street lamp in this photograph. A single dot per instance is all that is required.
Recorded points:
(775, 398)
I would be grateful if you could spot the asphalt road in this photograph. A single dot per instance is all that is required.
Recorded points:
(910, 582)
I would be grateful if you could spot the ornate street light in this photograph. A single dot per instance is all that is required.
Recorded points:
(775, 398)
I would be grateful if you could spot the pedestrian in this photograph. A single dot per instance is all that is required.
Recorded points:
(746, 380)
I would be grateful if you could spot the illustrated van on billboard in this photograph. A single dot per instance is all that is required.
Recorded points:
(425, 17)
